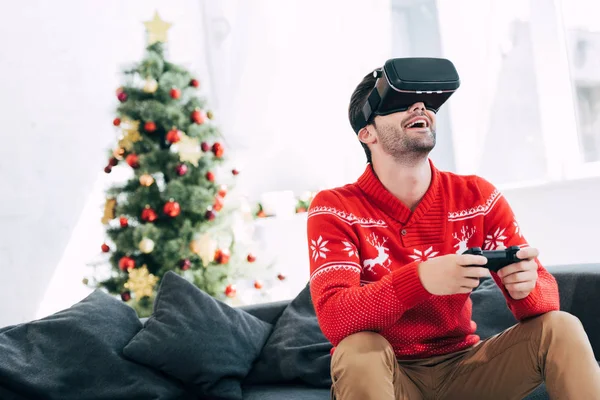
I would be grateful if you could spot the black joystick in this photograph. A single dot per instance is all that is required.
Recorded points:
(497, 259)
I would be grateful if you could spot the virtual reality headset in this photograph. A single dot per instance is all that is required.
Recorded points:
(403, 82)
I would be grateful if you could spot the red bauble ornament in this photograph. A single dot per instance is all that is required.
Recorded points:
(195, 83)
(235, 172)
(150, 126)
(210, 215)
(113, 161)
(122, 97)
(281, 277)
(258, 284)
(126, 262)
(185, 264)
(149, 215)
(218, 204)
(204, 147)
(116, 121)
(210, 176)
(218, 150)
(222, 256)
(222, 191)
(251, 258)
(133, 160)
(175, 93)
(181, 169)
(230, 291)
(126, 296)
(124, 222)
(105, 248)
(172, 208)
(108, 169)
(197, 117)
(174, 136)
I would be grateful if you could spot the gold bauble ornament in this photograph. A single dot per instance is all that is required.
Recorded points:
(157, 29)
(146, 245)
(150, 85)
(146, 180)
(118, 153)
(210, 114)
(189, 150)
(205, 247)
(141, 282)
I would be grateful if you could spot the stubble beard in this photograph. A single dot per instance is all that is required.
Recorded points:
(403, 147)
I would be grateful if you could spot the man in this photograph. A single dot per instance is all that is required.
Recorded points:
(391, 285)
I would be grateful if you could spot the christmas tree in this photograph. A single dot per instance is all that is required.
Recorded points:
(175, 212)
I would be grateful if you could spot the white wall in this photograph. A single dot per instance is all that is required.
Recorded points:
(284, 73)
(60, 66)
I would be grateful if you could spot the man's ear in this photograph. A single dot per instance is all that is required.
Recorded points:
(367, 135)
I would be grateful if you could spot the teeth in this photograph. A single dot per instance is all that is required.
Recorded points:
(416, 122)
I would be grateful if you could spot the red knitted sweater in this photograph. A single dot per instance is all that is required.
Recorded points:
(365, 246)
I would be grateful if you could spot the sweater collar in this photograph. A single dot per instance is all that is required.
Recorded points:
(370, 184)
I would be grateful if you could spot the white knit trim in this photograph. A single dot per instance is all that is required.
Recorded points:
(336, 266)
(346, 217)
(482, 209)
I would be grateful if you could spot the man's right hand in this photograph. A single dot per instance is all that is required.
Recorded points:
(452, 273)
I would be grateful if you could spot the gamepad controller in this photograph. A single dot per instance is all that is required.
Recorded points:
(497, 259)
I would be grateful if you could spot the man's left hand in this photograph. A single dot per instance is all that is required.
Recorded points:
(519, 279)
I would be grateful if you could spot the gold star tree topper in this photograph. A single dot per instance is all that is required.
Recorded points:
(157, 29)
(141, 282)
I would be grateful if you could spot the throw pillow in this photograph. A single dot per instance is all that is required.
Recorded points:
(199, 340)
(76, 354)
(297, 348)
(490, 311)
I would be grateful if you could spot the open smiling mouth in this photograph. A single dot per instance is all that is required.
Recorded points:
(417, 123)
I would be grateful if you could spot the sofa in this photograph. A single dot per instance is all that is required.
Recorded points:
(579, 287)
(196, 347)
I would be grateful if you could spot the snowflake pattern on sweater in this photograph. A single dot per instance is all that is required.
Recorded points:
(365, 247)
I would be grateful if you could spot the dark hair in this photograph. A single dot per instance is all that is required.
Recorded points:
(358, 98)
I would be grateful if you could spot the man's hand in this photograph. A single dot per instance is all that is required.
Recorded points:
(452, 273)
(520, 278)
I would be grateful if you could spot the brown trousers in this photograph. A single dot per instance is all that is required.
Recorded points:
(551, 348)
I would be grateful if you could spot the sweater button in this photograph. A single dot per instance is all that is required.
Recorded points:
(403, 232)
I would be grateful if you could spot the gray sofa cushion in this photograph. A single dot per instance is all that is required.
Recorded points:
(198, 340)
(76, 354)
(296, 350)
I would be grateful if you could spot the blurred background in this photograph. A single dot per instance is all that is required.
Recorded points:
(278, 75)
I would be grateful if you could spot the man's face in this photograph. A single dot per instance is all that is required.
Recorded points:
(408, 134)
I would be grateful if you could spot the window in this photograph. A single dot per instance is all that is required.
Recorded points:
(582, 31)
(528, 110)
